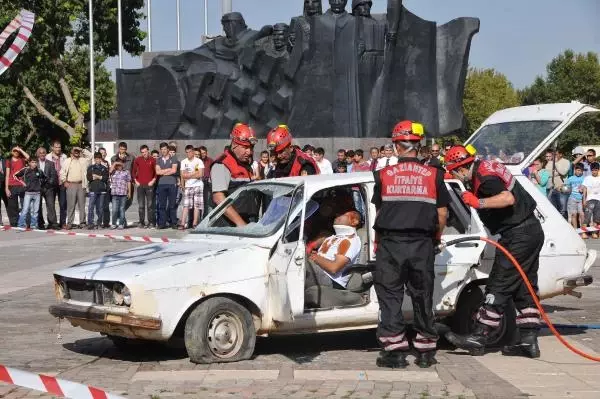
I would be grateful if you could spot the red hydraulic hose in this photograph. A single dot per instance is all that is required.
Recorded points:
(537, 301)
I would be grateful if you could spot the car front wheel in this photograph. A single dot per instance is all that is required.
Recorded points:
(463, 321)
(219, 330)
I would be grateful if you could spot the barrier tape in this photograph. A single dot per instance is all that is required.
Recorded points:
(23, 26)
(587, 230)
(53, 386)
(147, 239)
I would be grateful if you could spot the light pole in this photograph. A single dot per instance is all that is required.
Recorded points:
(205, 18)
(120, 34)
(92, 83)
(149, 14)
(178, 30)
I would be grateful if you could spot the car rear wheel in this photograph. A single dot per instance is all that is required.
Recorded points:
(463, 321)
(219, 330)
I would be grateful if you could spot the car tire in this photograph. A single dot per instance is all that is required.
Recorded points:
(219, 330)
(463, 321)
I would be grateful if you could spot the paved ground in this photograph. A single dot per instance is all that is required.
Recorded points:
(330, 365)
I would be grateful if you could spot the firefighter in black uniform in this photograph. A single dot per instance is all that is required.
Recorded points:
(411, 201)
(506, 209)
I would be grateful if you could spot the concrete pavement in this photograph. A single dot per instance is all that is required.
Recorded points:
(327, 365)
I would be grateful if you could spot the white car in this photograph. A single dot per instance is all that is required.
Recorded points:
(221, 286)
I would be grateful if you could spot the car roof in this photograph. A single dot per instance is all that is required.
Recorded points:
(324, 181)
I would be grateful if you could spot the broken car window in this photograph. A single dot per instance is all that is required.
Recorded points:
(264, 206)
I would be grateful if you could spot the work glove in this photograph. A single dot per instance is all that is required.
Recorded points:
(470, 199)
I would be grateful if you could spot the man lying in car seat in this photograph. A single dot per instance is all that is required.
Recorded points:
(325, 284)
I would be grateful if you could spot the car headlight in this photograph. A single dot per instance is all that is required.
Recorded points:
(121, 295)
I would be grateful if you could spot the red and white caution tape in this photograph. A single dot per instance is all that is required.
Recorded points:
(91, 235)
(51, 385)
(587, 230)
(23, 26)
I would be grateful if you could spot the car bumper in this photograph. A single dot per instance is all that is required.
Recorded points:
(102, 316)
(578, 281)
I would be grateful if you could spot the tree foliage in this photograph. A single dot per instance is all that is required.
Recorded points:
(486, 91)
(570, 77)
(45, 93)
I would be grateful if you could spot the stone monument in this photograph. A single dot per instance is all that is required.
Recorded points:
(333, 74)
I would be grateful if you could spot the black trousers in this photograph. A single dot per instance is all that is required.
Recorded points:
(61, 193)
(48, 195)
(3, 198)
(106, 211)
(405, 262)
(146, 204)
(504, 283)
(17, 195)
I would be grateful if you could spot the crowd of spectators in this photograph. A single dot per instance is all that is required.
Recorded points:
(162, 182)
(571, 185)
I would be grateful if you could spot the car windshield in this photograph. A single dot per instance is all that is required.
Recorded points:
(511, 142)
(263, 207)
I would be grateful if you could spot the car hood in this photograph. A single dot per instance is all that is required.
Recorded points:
(138, 261)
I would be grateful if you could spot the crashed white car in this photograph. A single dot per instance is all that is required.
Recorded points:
(222, 286)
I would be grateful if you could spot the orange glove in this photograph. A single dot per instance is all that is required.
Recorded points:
(470, 199)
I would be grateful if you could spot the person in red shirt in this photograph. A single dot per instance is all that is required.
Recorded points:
(15, 187)
(358, 162)
(144, 177)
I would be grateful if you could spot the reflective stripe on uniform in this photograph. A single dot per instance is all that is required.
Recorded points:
(488, 317)
(410, 199)
(395, 347)
(422, 342)
(393, 339)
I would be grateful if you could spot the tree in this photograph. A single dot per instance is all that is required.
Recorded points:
(49, 81)
(570, 77)
(486, 91)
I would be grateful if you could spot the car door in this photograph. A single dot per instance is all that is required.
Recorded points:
(454, 264)
(286, 265)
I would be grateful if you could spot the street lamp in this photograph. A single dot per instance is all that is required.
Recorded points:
(120, 33)
(149, 14)
(178, 30)
(92, 83)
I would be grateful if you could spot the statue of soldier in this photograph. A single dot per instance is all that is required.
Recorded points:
(327, 81)
(371, 49)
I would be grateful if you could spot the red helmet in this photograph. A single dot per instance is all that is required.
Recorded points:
(279, 138)
(243, 135)
(457, 156)
(408, 131)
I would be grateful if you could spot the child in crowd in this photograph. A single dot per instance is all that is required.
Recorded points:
(34, 181)
(591, 198)
(575, 201)
(120, 188)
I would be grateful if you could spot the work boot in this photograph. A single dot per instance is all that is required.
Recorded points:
(425, 359)
(474, 342)
(392, 359)
(526, 346)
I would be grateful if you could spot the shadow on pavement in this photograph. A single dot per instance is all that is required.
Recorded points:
(132, 350)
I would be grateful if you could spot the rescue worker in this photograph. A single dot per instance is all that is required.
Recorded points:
(231, 170)
(290, 161)
(508, 210)
(412, 208)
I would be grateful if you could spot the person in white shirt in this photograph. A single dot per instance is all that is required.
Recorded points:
(192, 170)
(388, 158)
(324, 165)
(336, 253)
(591, 198)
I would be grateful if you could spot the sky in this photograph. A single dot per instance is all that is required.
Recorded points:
(517, 37)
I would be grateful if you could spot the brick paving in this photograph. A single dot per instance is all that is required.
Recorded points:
(31, 339)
